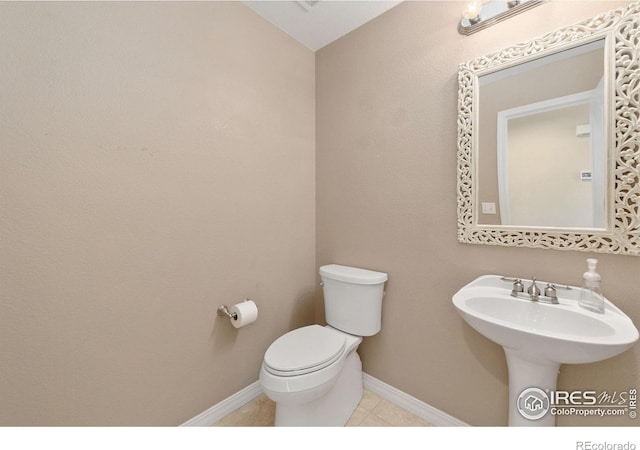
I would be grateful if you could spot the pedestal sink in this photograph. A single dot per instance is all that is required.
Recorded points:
(537, 337)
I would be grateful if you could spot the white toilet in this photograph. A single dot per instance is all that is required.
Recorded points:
(314, 373)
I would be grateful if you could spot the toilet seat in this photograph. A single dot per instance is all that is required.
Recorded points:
(304, 350)
(289, 386)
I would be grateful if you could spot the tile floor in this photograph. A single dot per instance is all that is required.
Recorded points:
(373, 411)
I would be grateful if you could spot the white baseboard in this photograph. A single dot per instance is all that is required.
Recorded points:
(225, 407)
(419, 408)
(423, 410)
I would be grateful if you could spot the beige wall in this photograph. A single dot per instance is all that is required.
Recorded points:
(156, 161)
(386, 199)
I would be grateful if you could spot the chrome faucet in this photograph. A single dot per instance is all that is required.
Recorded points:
(534, 290)
(550, 294)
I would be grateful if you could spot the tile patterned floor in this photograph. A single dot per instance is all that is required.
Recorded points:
(373, 411)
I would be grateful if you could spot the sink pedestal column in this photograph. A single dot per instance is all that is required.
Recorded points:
(537, 378)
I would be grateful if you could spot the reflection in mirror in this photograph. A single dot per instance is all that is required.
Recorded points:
(542, 153)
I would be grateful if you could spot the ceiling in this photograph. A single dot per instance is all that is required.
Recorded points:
(316, 23)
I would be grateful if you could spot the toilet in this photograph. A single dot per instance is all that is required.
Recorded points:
(313, 373)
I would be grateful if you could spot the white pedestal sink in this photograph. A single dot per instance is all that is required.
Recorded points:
(537, 337)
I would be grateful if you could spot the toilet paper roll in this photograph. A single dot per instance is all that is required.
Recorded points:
(245, 313)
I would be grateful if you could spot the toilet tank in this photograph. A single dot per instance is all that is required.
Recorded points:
(353, 298)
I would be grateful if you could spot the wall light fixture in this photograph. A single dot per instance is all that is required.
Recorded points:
(479, 15)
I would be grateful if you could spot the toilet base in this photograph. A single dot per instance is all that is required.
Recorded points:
(332, 409)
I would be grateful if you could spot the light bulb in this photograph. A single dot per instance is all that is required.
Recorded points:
(472, 11)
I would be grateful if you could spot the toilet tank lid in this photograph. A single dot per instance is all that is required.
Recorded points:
(352, 274)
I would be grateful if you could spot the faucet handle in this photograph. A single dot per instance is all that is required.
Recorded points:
(517, 287)
(550, 291)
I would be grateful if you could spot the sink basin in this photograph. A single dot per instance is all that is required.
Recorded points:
(564, 333)
(537, 337)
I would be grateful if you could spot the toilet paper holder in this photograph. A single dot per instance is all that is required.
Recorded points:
(223, 311)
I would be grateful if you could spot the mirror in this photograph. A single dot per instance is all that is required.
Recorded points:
(541, 152)
(548, 140)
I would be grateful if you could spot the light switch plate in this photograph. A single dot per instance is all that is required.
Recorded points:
(488, 208)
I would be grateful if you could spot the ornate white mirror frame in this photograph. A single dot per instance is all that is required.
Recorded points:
(620, 28)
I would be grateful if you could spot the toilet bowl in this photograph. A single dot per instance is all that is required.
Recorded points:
(313, 373)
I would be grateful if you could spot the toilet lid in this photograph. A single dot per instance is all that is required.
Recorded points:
(304, 350)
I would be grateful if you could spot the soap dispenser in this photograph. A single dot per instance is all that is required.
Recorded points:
(590, 296)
